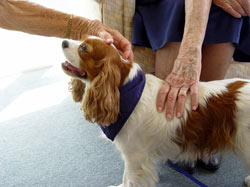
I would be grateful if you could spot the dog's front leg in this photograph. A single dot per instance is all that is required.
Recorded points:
(124, 180)
(139, 171)
(247, 181)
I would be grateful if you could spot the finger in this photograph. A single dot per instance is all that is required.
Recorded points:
(182, 96)
(171, 99)
(246, 6)
(119, 41)
(194, 96)
(161, 98)
(128, 55)
(106, 37)
(131, 56)
(122, 44)
(231, 11)
(239, 8)
(125, 46)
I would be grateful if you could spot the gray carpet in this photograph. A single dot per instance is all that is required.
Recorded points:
(53, 146)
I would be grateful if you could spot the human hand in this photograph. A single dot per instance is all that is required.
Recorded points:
(184, 77)
(236, 8)
(122, 44)
(112, 36)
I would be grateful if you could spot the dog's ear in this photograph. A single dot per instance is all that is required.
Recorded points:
(102, 99)
(76, 87)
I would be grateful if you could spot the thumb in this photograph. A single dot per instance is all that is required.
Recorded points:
(106, 37)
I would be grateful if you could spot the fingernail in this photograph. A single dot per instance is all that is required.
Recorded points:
(194, 107)
(159, 109)
(169, 116)
(178, 115)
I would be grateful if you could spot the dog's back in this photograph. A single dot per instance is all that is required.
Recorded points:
(220, 122)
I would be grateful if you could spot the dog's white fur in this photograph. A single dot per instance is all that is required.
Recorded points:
(146, 138)
(152, 134)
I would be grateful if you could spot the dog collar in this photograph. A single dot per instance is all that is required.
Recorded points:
(130, 95)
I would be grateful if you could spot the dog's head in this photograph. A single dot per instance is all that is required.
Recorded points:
(87, 59)
(101, 67)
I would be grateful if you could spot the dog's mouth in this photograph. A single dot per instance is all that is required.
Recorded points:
(73, 71)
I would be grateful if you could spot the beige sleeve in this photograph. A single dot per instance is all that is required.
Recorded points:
(31, 18)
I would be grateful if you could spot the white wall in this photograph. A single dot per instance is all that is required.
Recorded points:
(21, 52)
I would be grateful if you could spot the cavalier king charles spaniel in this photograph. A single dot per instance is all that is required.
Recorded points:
(115, 94)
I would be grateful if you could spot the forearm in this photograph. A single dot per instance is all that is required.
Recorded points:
(34, 19)
(196, 18)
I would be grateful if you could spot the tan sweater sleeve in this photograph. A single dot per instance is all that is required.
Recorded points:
(31, 18)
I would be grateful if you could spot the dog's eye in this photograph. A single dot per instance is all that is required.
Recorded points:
(83, 48)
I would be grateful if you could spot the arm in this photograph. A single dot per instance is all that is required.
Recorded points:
(35, 19)
(31, 18)
(186, 71)
(196, 18)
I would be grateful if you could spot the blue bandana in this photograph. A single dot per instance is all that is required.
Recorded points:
(130, 95)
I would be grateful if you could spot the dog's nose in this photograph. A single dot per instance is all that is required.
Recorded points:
(65, 44)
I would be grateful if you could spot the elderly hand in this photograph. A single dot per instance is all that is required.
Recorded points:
(236, 8)
(184, 77)
(112, 36)
(122, 44)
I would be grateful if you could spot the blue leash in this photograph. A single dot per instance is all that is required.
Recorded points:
(186, 174)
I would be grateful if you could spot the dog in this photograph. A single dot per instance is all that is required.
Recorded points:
(121, 99)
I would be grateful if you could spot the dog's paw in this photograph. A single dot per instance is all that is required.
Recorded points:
(247, 181)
